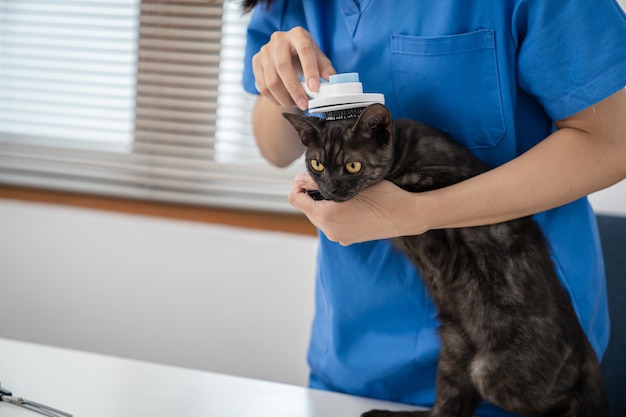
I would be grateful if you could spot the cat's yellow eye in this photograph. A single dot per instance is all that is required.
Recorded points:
(317, 165)
(353, 167)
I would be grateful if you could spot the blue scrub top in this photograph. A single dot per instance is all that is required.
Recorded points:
(494, 75)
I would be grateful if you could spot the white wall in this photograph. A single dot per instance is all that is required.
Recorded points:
(222, 299)
(611, 200)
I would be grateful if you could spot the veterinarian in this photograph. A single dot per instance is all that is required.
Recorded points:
(535, 88)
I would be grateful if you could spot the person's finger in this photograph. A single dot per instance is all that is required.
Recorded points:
(259, 78)
(273, 57)
(307, 54)
(300, 49)
(324, 66)
(268, 81)
(300, 200)
(305, 181)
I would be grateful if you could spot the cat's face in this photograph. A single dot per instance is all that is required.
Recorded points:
(346, 156)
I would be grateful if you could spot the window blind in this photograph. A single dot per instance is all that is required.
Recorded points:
(136, 99)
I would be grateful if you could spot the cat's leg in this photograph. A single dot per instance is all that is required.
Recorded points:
(456, 394)
(568, 408)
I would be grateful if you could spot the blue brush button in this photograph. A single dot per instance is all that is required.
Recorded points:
(347, 77)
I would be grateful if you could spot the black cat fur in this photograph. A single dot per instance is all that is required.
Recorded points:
(509, 333)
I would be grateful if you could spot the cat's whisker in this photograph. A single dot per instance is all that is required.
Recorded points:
(370, 204)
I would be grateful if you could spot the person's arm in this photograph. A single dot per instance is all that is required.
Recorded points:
(276, 139)
(587, 153)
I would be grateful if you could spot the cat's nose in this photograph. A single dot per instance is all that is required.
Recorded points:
(337, 187)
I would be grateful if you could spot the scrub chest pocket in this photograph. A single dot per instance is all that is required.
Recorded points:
(451, 83)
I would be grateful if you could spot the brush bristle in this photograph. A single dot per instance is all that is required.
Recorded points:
(344, 114)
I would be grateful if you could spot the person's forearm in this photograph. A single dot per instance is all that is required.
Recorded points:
(569, 170)
(573, 162)
(276, 139)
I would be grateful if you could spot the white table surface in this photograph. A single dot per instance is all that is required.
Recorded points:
(92, 385)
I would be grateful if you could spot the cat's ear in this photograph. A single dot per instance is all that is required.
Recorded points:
(307, 127)
(375, 121)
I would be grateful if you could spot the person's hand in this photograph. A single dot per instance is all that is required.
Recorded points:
(277, 65)
(377, 212)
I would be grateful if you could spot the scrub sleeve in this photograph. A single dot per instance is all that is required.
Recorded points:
(493, 75)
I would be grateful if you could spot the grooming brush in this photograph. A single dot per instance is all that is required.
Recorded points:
(342, 97)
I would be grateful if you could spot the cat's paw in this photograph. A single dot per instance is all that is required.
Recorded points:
(387, 413)
(315, 195)
(378, 413)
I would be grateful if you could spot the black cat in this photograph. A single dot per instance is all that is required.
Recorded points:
(509, 333)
